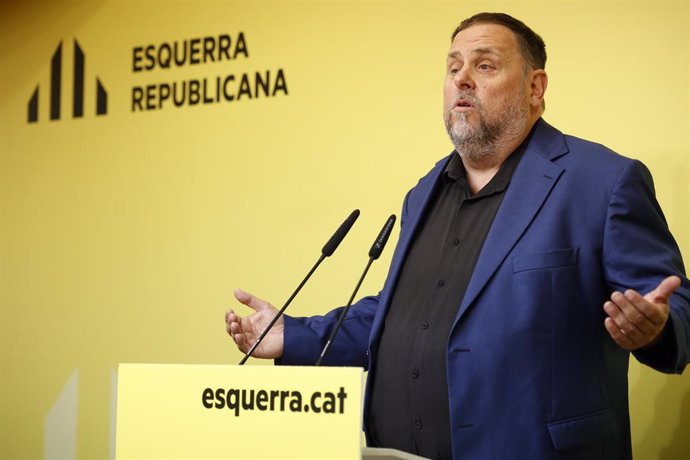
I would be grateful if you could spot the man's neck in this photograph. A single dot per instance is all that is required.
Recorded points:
(479, 172)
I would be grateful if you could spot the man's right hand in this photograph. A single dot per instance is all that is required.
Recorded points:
(245, 331)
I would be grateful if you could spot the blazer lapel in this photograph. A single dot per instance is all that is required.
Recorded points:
(529, 187)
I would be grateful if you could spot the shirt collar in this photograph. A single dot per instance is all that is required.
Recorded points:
(455, 171)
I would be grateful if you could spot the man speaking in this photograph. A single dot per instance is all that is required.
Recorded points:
(529, 265)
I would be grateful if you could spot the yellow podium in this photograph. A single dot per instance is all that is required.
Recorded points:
(238, 412)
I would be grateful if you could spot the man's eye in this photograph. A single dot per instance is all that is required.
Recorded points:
(485, 67)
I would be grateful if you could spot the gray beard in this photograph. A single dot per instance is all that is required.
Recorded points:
(480, 143)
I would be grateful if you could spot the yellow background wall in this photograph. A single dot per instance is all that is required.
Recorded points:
(122, 236)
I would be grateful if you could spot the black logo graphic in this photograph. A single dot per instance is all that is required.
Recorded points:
(78, 93)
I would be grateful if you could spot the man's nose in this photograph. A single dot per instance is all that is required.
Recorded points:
(463, 78)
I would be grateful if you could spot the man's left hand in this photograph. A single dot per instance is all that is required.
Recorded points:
(636, 321)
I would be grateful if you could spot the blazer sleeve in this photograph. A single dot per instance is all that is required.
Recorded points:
(305, 337)
(639, 252)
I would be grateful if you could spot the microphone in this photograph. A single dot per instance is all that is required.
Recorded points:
(327, 250)
(332, 244)
(374, 253)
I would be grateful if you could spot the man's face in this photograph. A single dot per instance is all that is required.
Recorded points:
(486, 93)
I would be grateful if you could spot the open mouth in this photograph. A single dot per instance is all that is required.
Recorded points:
(464, 103)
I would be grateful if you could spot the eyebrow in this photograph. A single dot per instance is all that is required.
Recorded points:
(478, 51)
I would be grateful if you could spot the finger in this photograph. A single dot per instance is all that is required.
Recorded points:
(240, 342)
(233, 323)
(617, 335)
(233, 318)
(638, 311)
(623, 313)
(250, 300)
(664, 290)
(234, 328)
(654, 312)
(228, 313)
(228, 327)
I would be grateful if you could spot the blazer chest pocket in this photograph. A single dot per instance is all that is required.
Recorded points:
(546, 259)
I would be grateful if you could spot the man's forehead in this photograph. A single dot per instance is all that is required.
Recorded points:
(484, 39)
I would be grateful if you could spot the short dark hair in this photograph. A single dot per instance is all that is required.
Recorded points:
(531, 44)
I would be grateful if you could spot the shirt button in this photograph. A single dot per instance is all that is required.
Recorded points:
(456, 241)
(425, 325)
(441, 283)
(418, 424)
(415, 373)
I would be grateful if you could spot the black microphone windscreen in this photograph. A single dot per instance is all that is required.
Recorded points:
(339, 234)
(381, 240)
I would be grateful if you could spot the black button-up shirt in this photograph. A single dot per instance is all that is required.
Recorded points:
(409, 403)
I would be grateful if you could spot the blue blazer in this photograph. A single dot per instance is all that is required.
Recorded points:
(532, 372)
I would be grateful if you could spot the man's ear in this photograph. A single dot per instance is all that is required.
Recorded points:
(538, 86)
